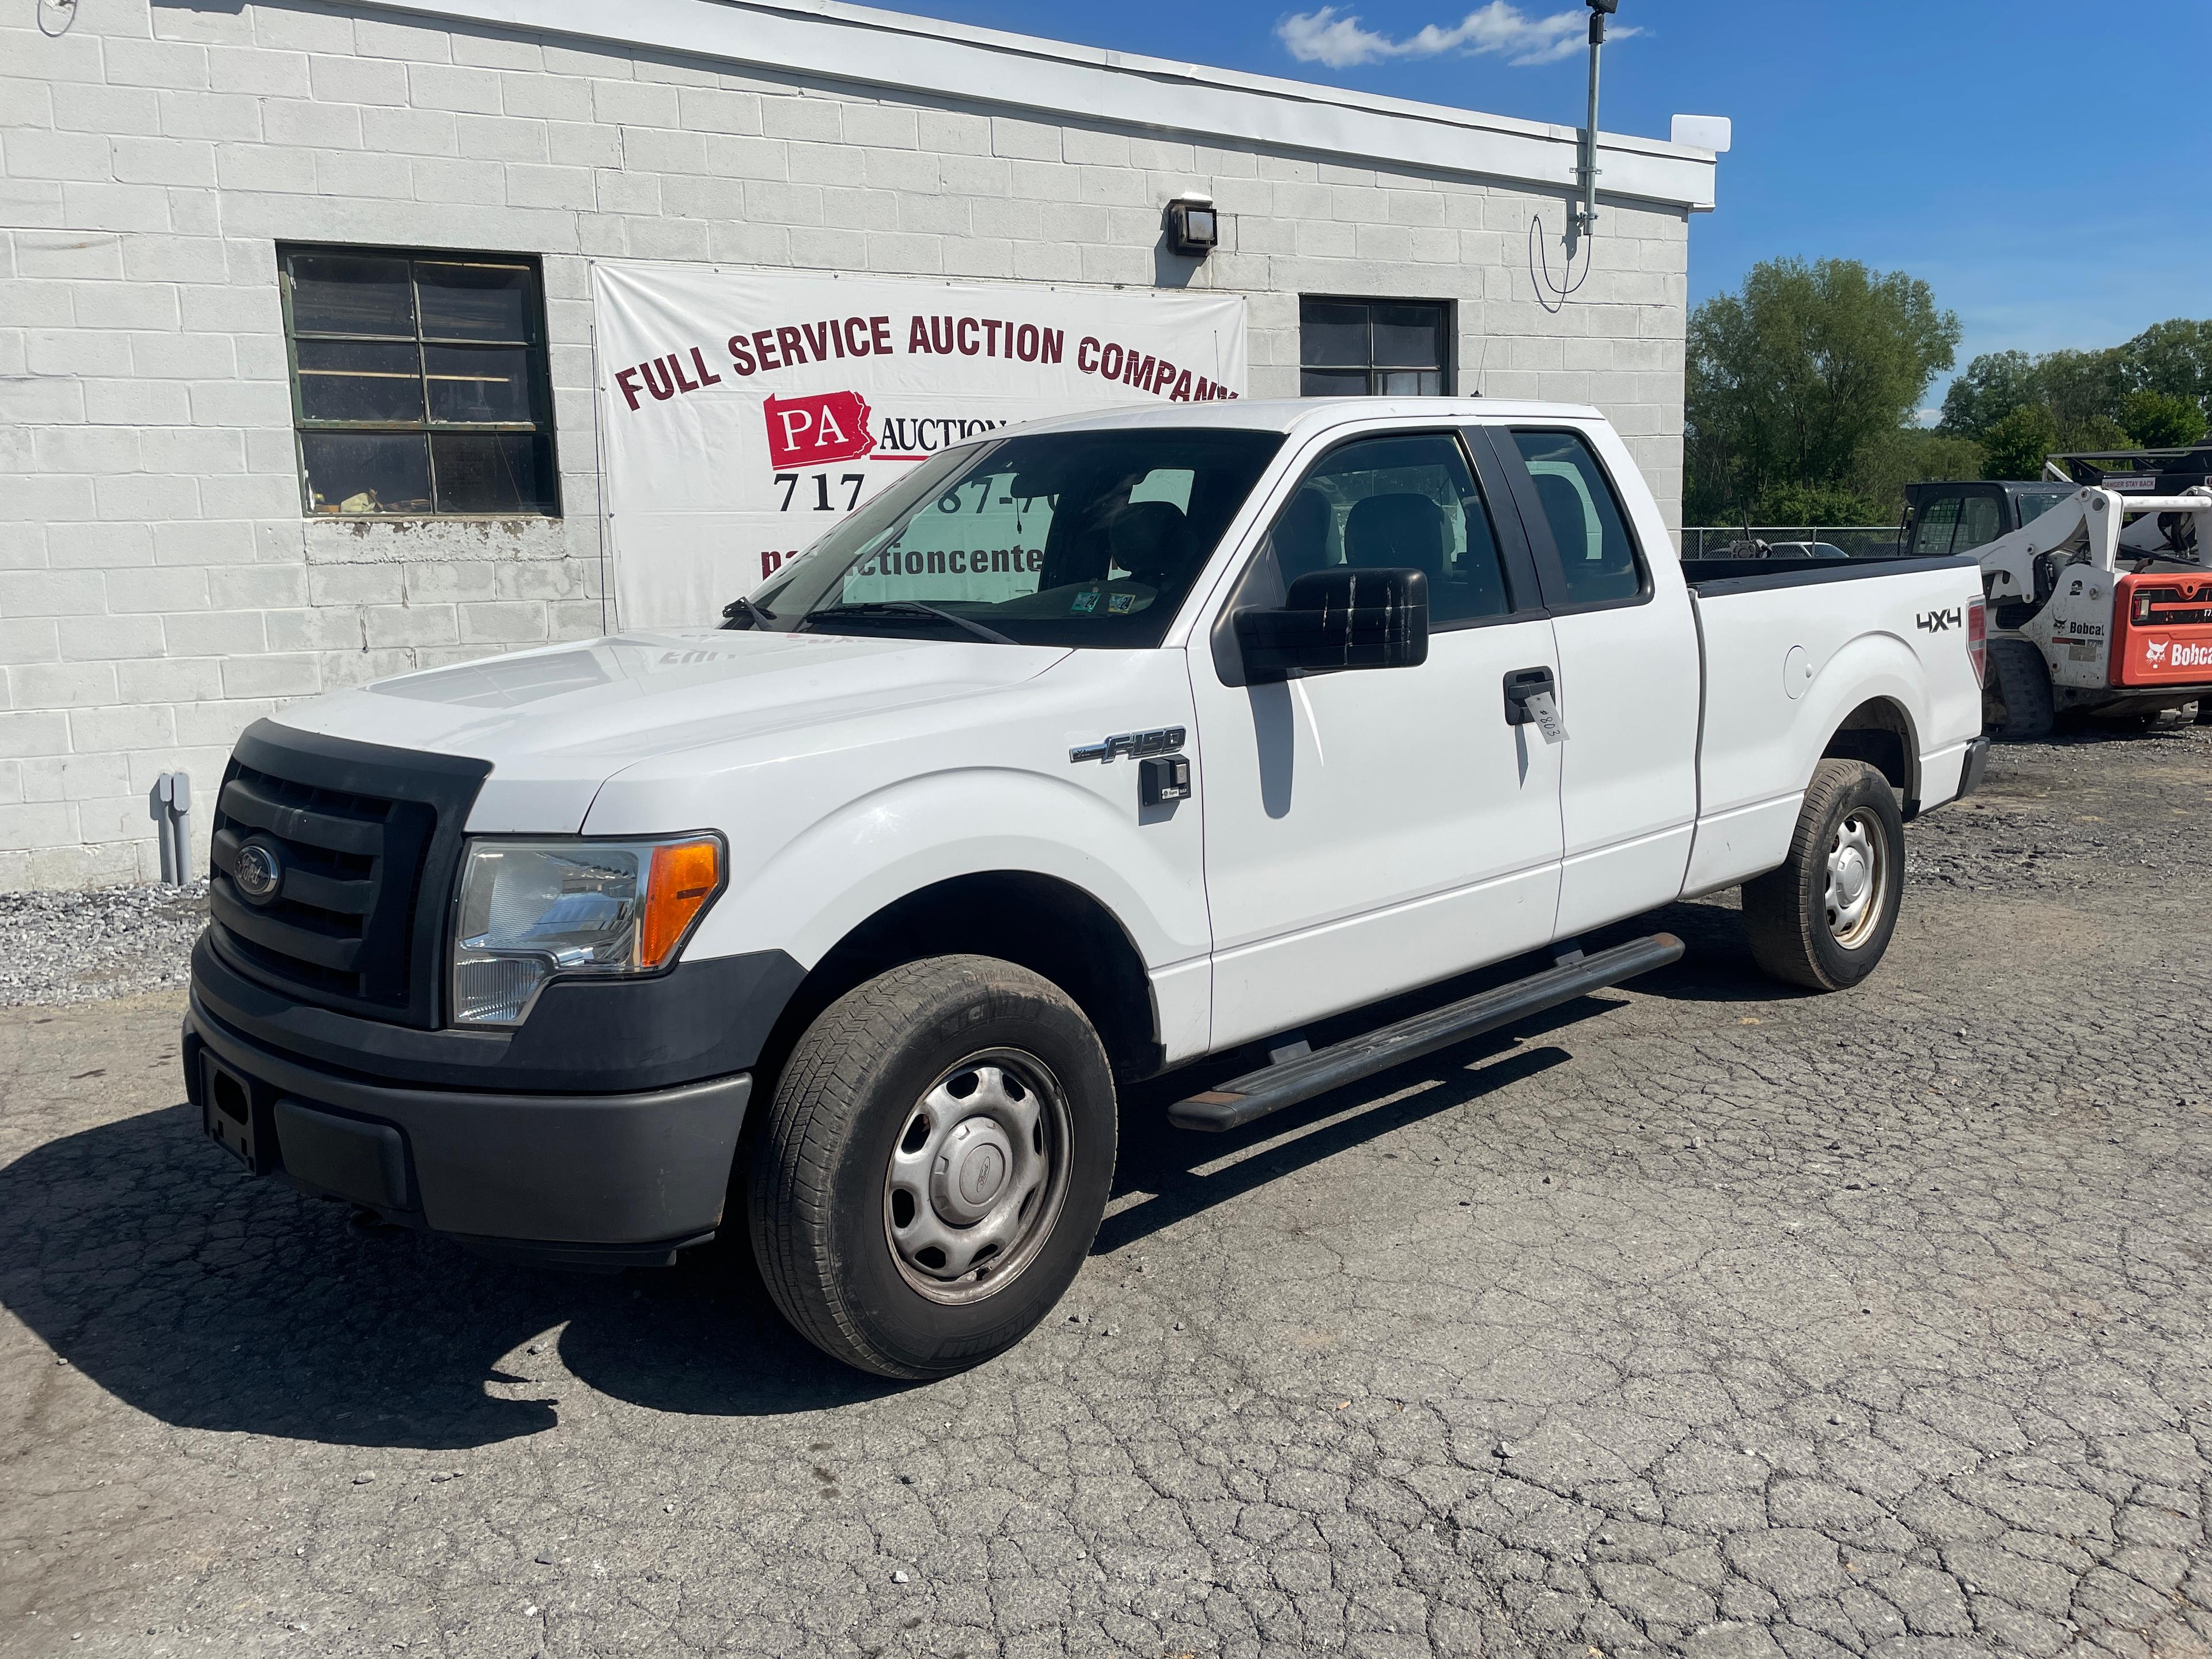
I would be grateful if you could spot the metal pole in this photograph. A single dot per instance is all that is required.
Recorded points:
(1584, 222)
(173, 826)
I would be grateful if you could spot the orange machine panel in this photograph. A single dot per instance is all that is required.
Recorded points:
(2162, 633)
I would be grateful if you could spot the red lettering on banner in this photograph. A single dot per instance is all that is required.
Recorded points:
(741, 354)
(823, 426)
(660, 385)
(879, 335)
(626, 379)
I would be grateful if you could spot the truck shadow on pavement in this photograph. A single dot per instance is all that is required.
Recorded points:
(211, 1300)
(1173, 1174)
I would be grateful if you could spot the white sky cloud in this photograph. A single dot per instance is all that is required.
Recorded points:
(1339, 39)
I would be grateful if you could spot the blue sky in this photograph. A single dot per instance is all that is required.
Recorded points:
(2033, 161)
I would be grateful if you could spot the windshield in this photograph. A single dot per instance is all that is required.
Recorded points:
(1074, 538)
(2034, 503)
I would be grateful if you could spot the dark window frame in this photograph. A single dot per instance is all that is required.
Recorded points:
(1445, 371)
(1551, 568)
(536, 347)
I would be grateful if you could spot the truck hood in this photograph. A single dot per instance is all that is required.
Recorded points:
(557, 723)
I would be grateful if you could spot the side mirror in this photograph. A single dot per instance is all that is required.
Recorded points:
(1336, 619)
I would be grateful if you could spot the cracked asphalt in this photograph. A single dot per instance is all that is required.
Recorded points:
(1698, 1316)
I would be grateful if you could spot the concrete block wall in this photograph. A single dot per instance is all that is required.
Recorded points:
(159, 586)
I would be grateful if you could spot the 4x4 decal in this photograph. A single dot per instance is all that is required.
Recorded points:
(1938, 622)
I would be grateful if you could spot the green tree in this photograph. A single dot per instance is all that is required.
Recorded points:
(2162, 420)
(1790, 379)
(1910, 454)
(1987, 390)
(2018, 443)
(2137, 395)
(2174, 357)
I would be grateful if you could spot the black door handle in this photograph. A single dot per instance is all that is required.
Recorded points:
(1523, 684)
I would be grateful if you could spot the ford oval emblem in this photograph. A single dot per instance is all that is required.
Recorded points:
(260, 872)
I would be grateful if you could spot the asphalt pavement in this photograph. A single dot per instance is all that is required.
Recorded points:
(1697, 1316)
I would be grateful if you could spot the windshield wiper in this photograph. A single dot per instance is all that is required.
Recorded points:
(908, 608)
(745, 613)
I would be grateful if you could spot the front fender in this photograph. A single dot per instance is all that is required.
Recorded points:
(833, 873)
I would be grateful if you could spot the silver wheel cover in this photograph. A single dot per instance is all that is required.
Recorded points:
(1858, 860)
(978, 1176)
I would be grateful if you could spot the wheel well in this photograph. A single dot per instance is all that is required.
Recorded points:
(1043, 924)
(1879, 732)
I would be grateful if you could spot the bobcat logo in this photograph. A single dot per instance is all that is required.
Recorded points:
(2155, 650)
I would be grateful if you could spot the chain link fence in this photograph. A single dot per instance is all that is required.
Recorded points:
(1786, 541)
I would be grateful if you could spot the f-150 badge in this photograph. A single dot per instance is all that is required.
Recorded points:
(1134, 744)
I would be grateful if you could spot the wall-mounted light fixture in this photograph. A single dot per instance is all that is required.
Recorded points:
(1193, 226)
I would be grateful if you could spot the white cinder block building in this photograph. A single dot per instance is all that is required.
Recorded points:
(184, 548)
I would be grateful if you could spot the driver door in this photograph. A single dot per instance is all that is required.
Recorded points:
(1371, 830)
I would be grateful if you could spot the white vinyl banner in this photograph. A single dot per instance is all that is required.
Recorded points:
(742, 413)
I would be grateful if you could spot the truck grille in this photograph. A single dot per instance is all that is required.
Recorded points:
(364, 840)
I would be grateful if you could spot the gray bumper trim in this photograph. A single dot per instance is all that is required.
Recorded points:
(586, 1169)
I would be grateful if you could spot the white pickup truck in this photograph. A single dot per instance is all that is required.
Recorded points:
(1091, 749)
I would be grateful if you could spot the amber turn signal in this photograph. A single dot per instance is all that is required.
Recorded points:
(685, 875)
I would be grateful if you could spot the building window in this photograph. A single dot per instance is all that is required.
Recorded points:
(419, 383)
(1373, 348)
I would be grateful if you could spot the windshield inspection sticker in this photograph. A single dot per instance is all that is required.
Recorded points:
(1545, 712)
(1083, 604)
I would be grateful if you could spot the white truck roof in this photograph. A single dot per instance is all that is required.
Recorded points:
(1299, 415)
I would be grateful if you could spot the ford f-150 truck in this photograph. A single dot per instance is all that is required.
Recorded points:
(1088, 750)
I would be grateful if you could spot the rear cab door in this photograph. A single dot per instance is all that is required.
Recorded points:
(1630, 680)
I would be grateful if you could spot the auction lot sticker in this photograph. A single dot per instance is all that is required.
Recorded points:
(742, 413)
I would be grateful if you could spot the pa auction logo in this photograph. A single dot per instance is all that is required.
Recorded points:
(816, 428)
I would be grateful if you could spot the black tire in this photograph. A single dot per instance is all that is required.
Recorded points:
(2204, 711)
(836, 1157)
(1794, 930)
(2021, 681)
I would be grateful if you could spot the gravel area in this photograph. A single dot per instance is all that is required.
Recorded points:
(1701, 1318)
(103, 942)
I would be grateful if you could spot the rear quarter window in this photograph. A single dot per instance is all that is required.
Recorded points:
(1598, 559)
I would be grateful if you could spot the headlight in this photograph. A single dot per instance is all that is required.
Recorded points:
(534, 910)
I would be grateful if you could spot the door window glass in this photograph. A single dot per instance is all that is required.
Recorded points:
(1403, 502)
(1597, 556)
(1932, 533)
(1977, 523)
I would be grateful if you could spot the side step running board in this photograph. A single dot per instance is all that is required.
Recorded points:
(1270, 1088)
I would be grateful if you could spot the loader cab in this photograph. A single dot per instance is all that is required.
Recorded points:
(1946, 519)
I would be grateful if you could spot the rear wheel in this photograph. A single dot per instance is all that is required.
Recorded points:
(2021, 681)
(934, 1166)
(1824, 918)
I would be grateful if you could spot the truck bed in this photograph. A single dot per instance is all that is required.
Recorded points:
(1875, 642)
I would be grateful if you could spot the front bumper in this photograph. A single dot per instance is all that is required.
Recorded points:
(590, 1180)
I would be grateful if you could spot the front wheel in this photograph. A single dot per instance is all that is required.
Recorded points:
(1824, 918)
(935, 1164)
